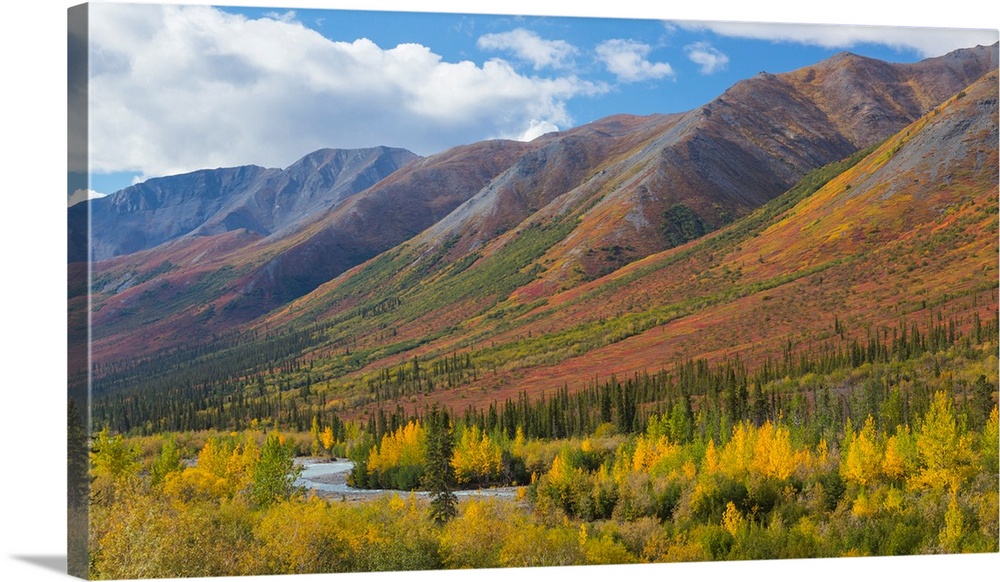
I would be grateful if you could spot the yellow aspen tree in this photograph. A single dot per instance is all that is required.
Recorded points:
(210, 459)
(900, 454)
(242, 463)
(489, 457)
(622, 467)
(476, 458)
(773, 456)
(710, 465)
(467, 468)
(642, 457)
(385, 455)
(327, 439)
(822, 452)
(737, 456)
(732, 519)
(115, 466)
(862, 463)
(195, 484)
(112, 458)
(944, 451)
(652, 451)
(462, 460)
(557, 472)
(864, 505)
(413, 445)
(406, 446)
(519, 441)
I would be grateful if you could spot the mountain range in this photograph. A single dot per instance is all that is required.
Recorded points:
(793, 209)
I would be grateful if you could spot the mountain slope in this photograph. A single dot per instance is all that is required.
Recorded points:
(648, 184)
(906, 234)
(195, 287)
(541, 259)
(641, 184)
(207, 202)
(393, 211)
(909, 234)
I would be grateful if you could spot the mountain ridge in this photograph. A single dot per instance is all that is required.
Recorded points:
(584, 219)
(834, 262)
(213, 201)
(625, 354)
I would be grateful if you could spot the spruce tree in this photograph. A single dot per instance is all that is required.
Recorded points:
(440, 476)
(274, 473)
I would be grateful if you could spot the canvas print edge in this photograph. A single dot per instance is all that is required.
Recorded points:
(79, 400)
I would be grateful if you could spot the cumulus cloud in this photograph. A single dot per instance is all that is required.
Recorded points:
(528, 46)
(81, 195)
(929, 42)
(708, 58)
(177, 88)
(626, 59)
(537, 128)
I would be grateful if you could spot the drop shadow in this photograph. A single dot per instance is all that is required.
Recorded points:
(54, 563)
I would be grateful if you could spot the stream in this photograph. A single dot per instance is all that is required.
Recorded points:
(329, 478)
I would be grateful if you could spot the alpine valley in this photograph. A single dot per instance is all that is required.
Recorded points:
(794, 213)
(764, 328)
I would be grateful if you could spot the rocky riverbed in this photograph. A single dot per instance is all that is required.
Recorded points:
(328, 479)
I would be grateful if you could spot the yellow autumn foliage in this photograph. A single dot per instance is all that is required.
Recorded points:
(474, 538)
(951, 534)
(862, 462)
(305, 537)
(652, 451)
(732, 519)
(737, 456)
(327, 439)
(476, 458)
(893, 500)
(944, 451)
(765, 451)
(710, 465)
(214, 457)
(559, 469)
(900, 454)
(773, 456)
(194, 484)
(407, 446)
(241, 464)
(864, 505)
(223, 470)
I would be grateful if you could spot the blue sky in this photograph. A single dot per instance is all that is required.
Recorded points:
(178, 88)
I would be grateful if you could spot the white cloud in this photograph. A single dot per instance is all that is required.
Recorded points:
(81, 195)
(177, 88)
(288, 16)
(528, 46)
(929, 42)
(626, 59)
(535, 129)
(708, 58)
